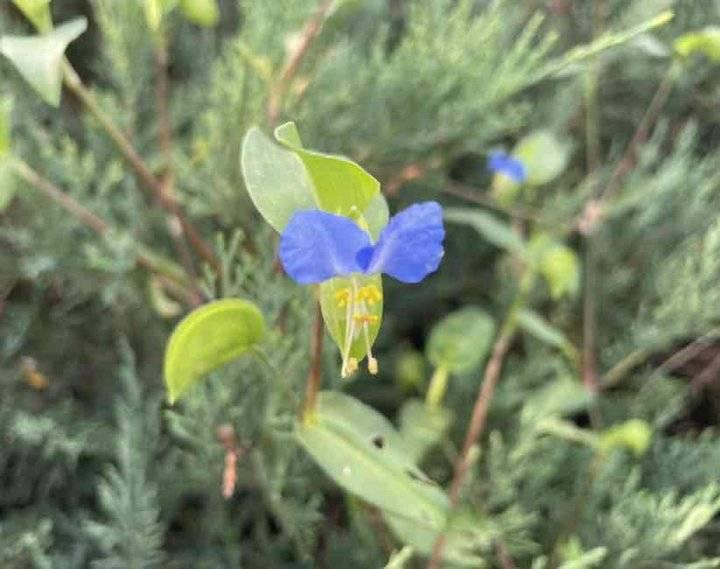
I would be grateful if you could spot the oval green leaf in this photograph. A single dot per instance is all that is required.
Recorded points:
(461, 341)
(209, 337)
(39, 58)
(363, 453)
(341, 186)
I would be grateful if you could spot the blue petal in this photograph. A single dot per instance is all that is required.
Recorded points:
(316, 246)
(410, 247)
(502, 163)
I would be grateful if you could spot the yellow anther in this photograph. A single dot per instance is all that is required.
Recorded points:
(372, 365)
(371, 294)
(366, 319)
(349, 368)
(342, 297)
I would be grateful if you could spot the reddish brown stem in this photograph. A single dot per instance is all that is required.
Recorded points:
(310, 32)
(314, 379)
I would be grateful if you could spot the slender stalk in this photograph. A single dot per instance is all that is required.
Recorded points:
(146, 177)
(478, 420)
(169, 274)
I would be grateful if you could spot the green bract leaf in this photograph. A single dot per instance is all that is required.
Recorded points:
(490, 227)
(362, 452)
(460, 342)
(335, 312)
(544, 156)
(423, 426)
(705, 42)
(376, 216)
(208, 338)
(38, 12)
(201, 12)
(39, 58)
(275, 178)
(341, 186)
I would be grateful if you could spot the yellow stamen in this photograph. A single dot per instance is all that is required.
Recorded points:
(371, 294)
(342, 297)
(366, 319)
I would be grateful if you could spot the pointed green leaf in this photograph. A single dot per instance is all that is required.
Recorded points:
(335, 312)
(275, 178)
(461, 340)
(362, 452)
(341, 186)
(39, 58)
(490, 227)
(202, 12)
(209, 337)
(38, 12)
(705, 42)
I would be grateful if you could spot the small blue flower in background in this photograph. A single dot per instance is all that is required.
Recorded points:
(316, 246)
(502, 163)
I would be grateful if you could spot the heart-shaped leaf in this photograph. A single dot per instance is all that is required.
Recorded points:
(39, 58)
(208, 338)
(341, 186)
(275, 178)
(362, 452)
(460, 342)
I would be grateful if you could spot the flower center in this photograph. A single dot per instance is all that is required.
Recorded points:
(357, 301)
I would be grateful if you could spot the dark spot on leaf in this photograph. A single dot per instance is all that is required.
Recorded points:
(378, 441)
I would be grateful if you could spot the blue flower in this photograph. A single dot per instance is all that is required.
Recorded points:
(316, 246)
(503, 163)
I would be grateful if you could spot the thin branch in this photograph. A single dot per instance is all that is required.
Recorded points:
(172, 279)
(146, 177)
(309, 33)
(162, 97)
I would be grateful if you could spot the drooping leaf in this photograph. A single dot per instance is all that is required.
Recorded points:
(38, 12)
(363, 453)
(208, 338)
(460, 341)
(39, 58)
(490, 227)
(275, 178)
(202, 12)
(705, 42)
(341, 186)
(422, 426)
(335, 312)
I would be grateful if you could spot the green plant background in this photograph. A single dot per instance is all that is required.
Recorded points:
(98, 470)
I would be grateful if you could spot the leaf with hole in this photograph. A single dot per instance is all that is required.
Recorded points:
(209, 337)
(364, 454)
(39, 58)
(341, 186)
(461, 341)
